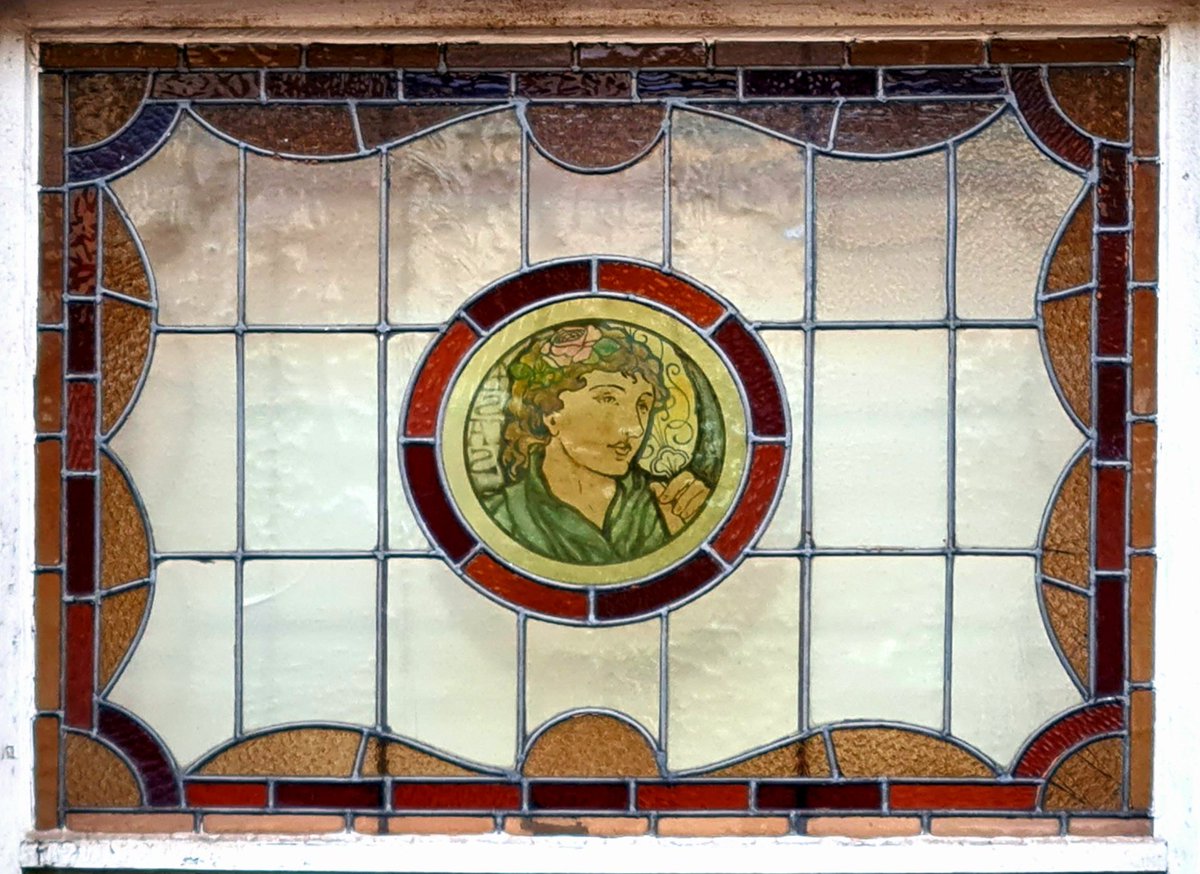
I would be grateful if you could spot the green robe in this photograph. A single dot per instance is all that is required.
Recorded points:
(530, 514)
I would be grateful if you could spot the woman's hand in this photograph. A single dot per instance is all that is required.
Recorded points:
(680, 500)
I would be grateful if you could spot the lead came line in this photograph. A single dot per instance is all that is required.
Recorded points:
(382, 455)
(239, 554)
(806, 476)
(951, 432)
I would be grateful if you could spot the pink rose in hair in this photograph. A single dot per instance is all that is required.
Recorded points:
(571, 344)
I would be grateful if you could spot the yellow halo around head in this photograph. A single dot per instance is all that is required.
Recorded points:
(474, 407)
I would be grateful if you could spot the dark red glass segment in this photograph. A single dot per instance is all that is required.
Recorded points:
(507, 298)
(1111, 412)
(766, 468)
(657, 593)
(1087, 722)
(808, 83)
(1110, 635)
(226, 793)
(1110, 518)
(682, 297)
(513, 588)
(81, 426)
(692, 796)
(81, 337)
(963, 796)
(456, 796)
(152, 763)
(820, 796)
(757, 378)
(1044, 119)
(579, 796)
(1112, 204)
(81, 535)
(328, 794)
(433, 504)
(81, 665)
(434, 377)
(1111, 297)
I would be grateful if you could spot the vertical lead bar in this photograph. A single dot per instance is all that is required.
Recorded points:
(951, 426)
(240, 352)
(806, 500)
(381, 576)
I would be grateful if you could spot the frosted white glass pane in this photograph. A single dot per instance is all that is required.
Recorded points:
(1011, 200)
(734, 664)
(311, 441)
(180, 443)
(786, 528)
(880, 408)
(1007, 679)
(454, 216)
(312, 241)
(877, 639)
(586, 213)
(1013, 438)
(404, 351)
(615, 668)
(183, 203)
(737, 214)
(881, 238)
(180, 676)
(308, 632)
(452, 664)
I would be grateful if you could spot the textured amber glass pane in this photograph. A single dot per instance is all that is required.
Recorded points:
(618, 213)
(184, 204)
(1005, 226)
(311, 440)
(312, 241)
(1007, 679)
(736, 650)
(452, 664)
(181, 676)
(611, 668)
(753, 186)
(863, 663)
(180, 442)
(1013, 438)
(308, 629)
(875, 486)
(454, 223)
(881, 238)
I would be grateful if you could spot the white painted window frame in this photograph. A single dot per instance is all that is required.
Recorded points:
(1176, 842)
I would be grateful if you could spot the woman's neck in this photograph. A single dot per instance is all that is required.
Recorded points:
(588, 492)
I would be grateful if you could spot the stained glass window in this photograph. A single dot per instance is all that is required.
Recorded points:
(731, 438)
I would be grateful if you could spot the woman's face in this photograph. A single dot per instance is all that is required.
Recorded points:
(601, 425)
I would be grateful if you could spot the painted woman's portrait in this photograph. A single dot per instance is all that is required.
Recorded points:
(594, 442)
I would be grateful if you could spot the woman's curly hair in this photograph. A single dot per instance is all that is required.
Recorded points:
(556, 360)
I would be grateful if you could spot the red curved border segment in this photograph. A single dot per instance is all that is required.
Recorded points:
(753, 367)
(1043, 751)
(599, 604)
(420, 420)
(766, 470)
(662, 288)
(153, 764)
(641, 598)
(513, 588)
(1037, 108)
(499, 303)
(433, 504)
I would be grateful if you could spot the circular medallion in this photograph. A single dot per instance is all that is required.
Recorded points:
(594, 441)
